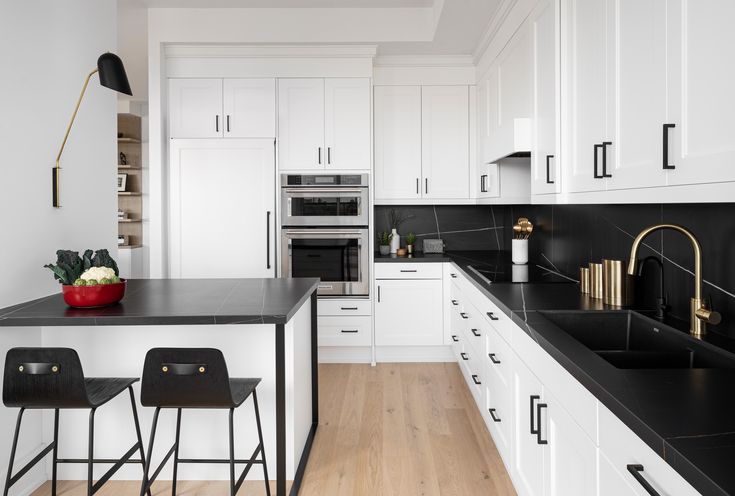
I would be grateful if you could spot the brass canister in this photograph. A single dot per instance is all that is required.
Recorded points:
(584, 280)
(617, 285)
(596, 280)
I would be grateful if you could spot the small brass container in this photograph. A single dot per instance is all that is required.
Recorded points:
(584, 280)
(596, 281)
(617, 284)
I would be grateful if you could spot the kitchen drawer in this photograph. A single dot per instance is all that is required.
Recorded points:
(344, 307)
(622, 447)
(498, 355)
(391, 270)
(498, 413)
(344, 331)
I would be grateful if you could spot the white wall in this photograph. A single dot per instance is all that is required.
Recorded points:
(48, 47)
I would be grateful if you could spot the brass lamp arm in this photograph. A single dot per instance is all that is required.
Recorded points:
(74, 116)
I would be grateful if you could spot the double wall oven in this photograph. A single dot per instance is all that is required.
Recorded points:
(325, 231)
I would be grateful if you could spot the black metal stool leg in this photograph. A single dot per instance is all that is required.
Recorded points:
(262, 445)
(176, 452)
(90, 461)
(12, 452)
(232, 453)
(56, 452)
(137, 431)
(144, 484)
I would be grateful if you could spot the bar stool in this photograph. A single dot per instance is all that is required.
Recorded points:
(196, 378)
(52, 378)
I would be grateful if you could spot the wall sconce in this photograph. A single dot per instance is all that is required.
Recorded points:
(112, 75)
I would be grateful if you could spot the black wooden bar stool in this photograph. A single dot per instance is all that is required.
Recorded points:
(52, 378)
(196, 378)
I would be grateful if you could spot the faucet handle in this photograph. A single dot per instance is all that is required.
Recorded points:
(709, 316)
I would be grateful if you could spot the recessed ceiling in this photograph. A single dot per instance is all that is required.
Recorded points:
(282, 3)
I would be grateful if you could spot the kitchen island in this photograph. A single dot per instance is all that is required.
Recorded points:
(265, 327)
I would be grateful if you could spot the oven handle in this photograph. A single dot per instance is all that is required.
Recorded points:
(323, 190)
(322, 233)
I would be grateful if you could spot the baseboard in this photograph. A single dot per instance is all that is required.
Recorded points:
(414, 354)
(345, 354)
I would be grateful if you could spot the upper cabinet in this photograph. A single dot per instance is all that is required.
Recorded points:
(422, 140)
(324, 123)
(217, 108)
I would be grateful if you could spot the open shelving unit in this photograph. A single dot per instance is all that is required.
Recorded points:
(129, 162)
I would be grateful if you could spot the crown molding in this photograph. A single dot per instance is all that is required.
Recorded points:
(491, 30)
(424, 61)
(270, 51)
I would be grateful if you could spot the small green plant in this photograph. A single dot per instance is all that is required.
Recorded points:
(384, 238)
(410, 238)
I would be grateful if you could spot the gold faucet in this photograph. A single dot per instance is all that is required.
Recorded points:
(700, 314)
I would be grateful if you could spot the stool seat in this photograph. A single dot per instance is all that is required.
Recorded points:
(100, 390)
(242, 389)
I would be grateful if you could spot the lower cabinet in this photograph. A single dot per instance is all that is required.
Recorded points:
(408, 312)
(528, 452)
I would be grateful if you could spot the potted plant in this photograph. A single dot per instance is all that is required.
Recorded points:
(384, 240)
(395, 219)
(88, 281)
(410, 241)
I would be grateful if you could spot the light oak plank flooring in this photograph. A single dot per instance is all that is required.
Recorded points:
(394, 429)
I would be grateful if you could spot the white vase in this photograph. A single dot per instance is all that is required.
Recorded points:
(520, 251)
(395, 241)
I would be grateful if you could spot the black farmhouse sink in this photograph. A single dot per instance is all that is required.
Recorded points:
(629, 340)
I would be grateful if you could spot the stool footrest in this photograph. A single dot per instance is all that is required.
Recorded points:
(20, 473)
(247, 468)
(153, 477)
(116, 467)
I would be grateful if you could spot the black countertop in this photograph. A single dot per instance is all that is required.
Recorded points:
(175, 302)
(687, 416)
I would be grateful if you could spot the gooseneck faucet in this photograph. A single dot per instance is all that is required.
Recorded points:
(700, 314)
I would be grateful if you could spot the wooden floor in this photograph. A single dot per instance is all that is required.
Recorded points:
(394, 429)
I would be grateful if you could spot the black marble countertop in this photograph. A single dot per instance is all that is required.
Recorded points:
(687, 416)
(175, 302)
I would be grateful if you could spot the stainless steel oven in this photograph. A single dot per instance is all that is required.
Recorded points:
(324, 200)
(338, 256)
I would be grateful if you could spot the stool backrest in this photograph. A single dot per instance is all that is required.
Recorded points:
(44, 378)
(186, 378)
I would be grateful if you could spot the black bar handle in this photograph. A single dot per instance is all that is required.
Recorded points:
(492, 316)
(455, 302)
(455, 338)
(635, 470)
(378, 294)
(216, 123)
(350, 331)
(666, 152)
(539, 406)
(228, 123)
(548, 169)
(268, 239)
(493, 416)
(329, 155)
(476, 332)
(417, 185)
(453, 276)
(463, 315)
(348, 308)
(409, 270)
(597, 174)
(476, 379)
(483, 183)
(605, 144)
(426, 185)
(534, 398)
(464, 356)
(320, 155)
(493, 358)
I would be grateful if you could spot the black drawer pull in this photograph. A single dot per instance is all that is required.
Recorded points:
(464, 315)
(476, 332)
(493, 359)
(453, 276)
(667, 166)
(476, 380)
(348, 308)
(597, 174)
(548, 169)
(409, 270)
(350, 331)
(464, 356)
(539, 406)
(493, 416)
(455, 338)
(455, 302)
(492, 316)
(635, 470)
(605, 144)
(534, 398)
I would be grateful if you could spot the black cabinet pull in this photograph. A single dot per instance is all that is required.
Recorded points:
(635, 470)
(597, 174)
(605, 144)
(476, 332)
(329, 155)
(417, 185)
(483, 183)
(426, 185)
(548, 169)
(453, 276)
(320, 155)
(378, 294)
(348, 308)
(216, 123)
(268, 240)
(228, 123)
(455, 338)
(534, 398)
(463, 315)
(666, 153)
(464, 356)
(493, 416)
(476, 380)
(492, 316)
(539, 406)
(493, 358)
(409, 270)
(349, 331)
(455, 302)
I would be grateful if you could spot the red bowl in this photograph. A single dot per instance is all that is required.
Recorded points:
(99, 295)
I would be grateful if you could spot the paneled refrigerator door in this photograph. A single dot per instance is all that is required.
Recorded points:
(222, 206)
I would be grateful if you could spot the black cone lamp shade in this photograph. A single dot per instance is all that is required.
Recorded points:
(112, 73)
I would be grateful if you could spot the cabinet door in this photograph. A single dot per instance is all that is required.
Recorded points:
(301, 124)
(545, 158)
(408, 312)
(250, 108)
(639, 51)
(528, 454)
(195, 108)
(445, 143)
(222, 194)
(701, 81)
(397, 142)
(347, 123)
(584, 91)
(571, 462)
(491, 139)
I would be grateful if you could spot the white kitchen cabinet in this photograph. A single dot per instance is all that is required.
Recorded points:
(195, 108)
(528, 454)
(222, 194)
(700, 83)
(347, 123)
(250, 108)
(397, 142)
(301, 124)
(545, 159)
(445, 143)
(488, 181)
(614, 483)
(490, 115)
(408, 312)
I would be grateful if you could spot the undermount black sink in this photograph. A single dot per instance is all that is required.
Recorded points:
(628, 340)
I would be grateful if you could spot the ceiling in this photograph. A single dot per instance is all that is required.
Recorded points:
(282, 3)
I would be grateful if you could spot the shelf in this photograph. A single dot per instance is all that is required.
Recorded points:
(128, 140)
(129, 193)
(129, 167)
(129, 221)
(128, 247)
